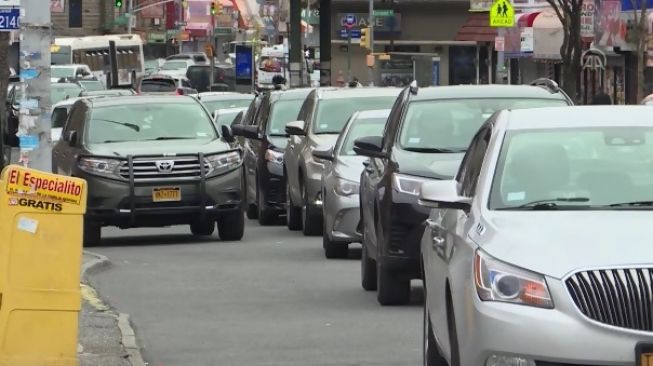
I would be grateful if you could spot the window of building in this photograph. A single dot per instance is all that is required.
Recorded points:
(75, 13)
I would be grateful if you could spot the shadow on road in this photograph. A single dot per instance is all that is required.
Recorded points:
(157, 240)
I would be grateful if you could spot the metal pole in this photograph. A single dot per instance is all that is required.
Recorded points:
(372, 22)
(325, 42)
(212, 58)
(181, 19)
(131, 14)
(349, 55)
(296, 79)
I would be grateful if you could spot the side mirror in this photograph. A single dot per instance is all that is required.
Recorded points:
(371, 146)
(295, 128)
(324, 154)
(443, 194)
(71, 138)
(227, 133)
(250, 132)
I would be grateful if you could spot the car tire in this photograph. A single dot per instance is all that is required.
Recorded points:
(92, 233)
(432, 356)
(333, 250)
(368, 269)
(392, 288)
(266, 215)
(293, 214)
(311, 224)
(232, 227)
(202, 228)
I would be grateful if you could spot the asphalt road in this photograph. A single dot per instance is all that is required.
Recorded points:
(272, 299)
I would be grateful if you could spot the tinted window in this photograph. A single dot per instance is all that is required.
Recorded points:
(591, 166)
(158, 85)
(451, 123)
(64, 91)
(62, 72)
(227, 103)
(361, 128)
(283, 111)
(332, 114)
(152, 121)
(59, 116)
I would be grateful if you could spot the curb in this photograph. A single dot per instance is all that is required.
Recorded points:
(98, 262)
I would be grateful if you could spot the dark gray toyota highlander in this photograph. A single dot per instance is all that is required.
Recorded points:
(152, 161)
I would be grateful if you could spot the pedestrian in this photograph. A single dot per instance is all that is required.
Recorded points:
(354, 83)
(601, 98)
(340, 80)
(278, 81)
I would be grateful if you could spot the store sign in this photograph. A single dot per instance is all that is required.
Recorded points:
(382, 25)
(311, 16)
(526, 40)
(480, 5)
(587, 20)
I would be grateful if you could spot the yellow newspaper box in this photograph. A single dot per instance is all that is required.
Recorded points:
(41, 223)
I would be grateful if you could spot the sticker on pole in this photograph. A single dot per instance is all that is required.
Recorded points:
(22, 181)
(502, 14)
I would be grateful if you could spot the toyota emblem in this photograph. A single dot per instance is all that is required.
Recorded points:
(165, 166)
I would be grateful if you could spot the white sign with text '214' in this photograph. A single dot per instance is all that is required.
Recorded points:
(9, 3)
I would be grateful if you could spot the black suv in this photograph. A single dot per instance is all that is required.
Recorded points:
(425, 138)
(152, 161)
(263, 153)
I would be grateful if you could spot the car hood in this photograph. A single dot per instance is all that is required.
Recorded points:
(122, 149)
(349, 167)
(556, 243)
(324, 140)
(436, 166)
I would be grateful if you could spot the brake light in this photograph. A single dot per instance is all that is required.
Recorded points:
(180, 92)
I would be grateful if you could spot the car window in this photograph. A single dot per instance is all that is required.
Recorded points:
(158, 85)
(186, 84)
(92, 85)
(174, 65)
(595, 166)
(473, 162)
(283, 111)
(361, 128)
(59, 116)
(227, 117)
(332, 114)
(213, 105)
(62, 72)
(451, 123)
(64, 91)
(152, 121)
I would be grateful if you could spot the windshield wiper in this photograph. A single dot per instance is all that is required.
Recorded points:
(435, 150)
(632, 204)
(549, 204)
(169, 138)
(134, 127)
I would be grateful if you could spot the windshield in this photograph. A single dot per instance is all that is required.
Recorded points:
(270, 64)
(62, 72)
(361, 128)
(62, 92)
(227, 103)
(332, 114)
(583, 167)
(158, 86)
(451, 124)
(174, 65)
(92, 85)
(282, 112)
(152, 121)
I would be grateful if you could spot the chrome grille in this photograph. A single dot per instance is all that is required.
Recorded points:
(619, 297)
(149, 169)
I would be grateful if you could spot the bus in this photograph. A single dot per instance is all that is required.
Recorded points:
(94, 52)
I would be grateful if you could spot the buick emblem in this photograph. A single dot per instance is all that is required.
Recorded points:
(165, 166)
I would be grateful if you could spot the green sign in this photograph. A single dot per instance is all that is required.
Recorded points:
(222, 31)
(171, 33)
(502, 14)
(384, 13)
(156, 37)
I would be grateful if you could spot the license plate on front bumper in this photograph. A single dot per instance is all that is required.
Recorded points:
(168, 194)
(644, 354)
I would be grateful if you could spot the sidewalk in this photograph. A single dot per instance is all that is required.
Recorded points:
(100, 338)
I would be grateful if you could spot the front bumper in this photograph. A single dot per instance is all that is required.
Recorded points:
(341, 216)
(116, 202)
(551, 337)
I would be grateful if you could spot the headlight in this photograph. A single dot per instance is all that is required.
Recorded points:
(346, 187)
(275, 157)
(498, 281)
(222, 163)
(407, 184)
(100, 166)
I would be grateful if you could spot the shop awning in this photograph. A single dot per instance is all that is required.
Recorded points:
(525, 20)
(198, 29)
(476, 29)
(548, 36)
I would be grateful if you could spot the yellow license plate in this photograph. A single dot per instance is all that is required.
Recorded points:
(644, 354)
(167, 194)
(646, 359)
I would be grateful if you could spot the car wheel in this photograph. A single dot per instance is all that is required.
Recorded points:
(92, 233)
(392, 288)
(202, 228)
(266, 215)
(232, 227)
(293, 214)
(310, 223)
(333, 250)
(368, 269)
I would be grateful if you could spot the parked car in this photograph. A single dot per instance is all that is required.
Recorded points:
(228, 116)
(224, 78)
(340, 182)
(145, 168)
(263, 153)
(197, 57)
(536, 234)
(166, 84)
(321, 118)
(425, 138)
(175, 67)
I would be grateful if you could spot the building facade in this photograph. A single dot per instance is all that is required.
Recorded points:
(74, 18)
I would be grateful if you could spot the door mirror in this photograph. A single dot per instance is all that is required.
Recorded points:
(371, 146)
(71, 138)
(227, 134)
(296, 128)
(250, 132)
(443, 194)
(324, 153)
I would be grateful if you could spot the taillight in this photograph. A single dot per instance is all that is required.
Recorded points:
(180, 92)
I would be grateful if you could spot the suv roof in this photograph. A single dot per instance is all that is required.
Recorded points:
(291, 94)
(480, 91)
(342, 93)
(141, 99)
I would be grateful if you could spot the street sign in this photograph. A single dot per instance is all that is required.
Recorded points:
(502, 14)
(222, 31)
(499, 43)
(9, 19)
(384, 13)
(181, 24)
(10, 3)
(355, 33)
(350, 21)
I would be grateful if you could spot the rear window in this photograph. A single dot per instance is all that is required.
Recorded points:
(158, 85)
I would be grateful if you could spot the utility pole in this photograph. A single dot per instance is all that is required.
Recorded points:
(372, 22)
(296, 51)
(4, 84)
(181, 19)
(130, 10)
(325, 42)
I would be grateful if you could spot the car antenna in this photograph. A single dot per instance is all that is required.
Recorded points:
(414, 87)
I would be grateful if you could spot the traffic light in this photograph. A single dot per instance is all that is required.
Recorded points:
(365, 38)
(212, 8)
(118, 3)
